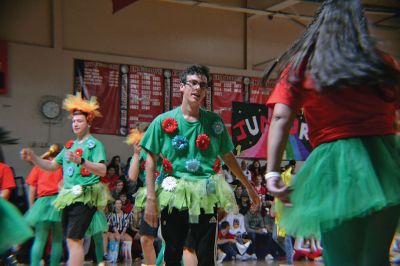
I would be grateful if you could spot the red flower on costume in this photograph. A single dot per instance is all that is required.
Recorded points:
(202, 141)
(169, 125)
(69, 144)
(156, 173)
(217, 165)
(84, 171)
(143, 165)
(167, 165)
(79, 152)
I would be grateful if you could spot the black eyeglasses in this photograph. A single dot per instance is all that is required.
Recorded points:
(195, 83)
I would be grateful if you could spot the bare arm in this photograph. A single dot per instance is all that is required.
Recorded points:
(133, 171)
(282, 120)
(29, 156)
(233, 165)
(98, 169)
(6, 193)
(150, 213)
(32, 195)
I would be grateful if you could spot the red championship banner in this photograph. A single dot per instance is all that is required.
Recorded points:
(100, 80)
(225, 90)
(258, 93)
(176, 94)
(3, 68)
(146, 94)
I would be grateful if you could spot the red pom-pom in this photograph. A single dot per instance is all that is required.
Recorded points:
(79, 152)
(217, 165)
(69, 144)
(169, 125)
(84, 171)
(202, 141)
(143, 165)
(167, 165)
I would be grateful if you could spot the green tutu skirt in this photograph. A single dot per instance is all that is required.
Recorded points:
(13, 228)
(342, 180)
(98, 225)
(192, 195)
(96, 195)
(43, 211)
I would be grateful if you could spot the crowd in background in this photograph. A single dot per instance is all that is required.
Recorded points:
(249, 234)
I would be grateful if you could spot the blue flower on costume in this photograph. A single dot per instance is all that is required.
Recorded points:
(210, 187)
(180, 143)
(91, 144)
(160, 178)
(70, 171)
(192, 165)
(218, 127)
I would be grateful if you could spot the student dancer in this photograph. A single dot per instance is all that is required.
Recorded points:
(190, 141)
(347, 192)
(42, 215)
(137, 170)
(83, 162)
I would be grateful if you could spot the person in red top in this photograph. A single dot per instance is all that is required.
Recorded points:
(42, 215)
(13, 228)
(7, 182)
(111, 177)
(347, 192)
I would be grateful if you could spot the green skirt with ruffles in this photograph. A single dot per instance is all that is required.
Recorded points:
(96, 195)
(342, 180)
(192, 195)
(43, 211)
(98, 225)
(13, 228)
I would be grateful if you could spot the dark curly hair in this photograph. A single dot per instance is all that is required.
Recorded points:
(337, 51)
(195, 70)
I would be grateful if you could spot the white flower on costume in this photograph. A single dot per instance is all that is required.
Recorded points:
(169, 183)
(77, 190)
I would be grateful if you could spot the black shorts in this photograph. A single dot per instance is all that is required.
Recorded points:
(146, 230)
(76, 219)
(199, 237)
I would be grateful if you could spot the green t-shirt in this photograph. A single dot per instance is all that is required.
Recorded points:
(179, 147)
(92, 150)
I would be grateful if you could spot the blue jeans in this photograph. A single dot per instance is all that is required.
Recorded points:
(287, 244)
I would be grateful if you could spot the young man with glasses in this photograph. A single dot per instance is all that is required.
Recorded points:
(191, 141)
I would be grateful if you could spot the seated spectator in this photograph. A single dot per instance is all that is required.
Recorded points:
(227, 173)
(260, 186)
(118, 223)
(119, 188)
(127, 205)
(244, 205)
(116, 162)
(238, 194)
(245, 170)
(228, 244)
(256, 169)
(259, 235)
(111, 177)
(236, 224)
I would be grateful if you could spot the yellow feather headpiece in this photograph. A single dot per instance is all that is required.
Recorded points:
(134, 137)
(76, 103)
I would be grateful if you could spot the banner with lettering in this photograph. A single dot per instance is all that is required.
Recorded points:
(250, 123)
(146, 94)
(102, 81)
(225, 90)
